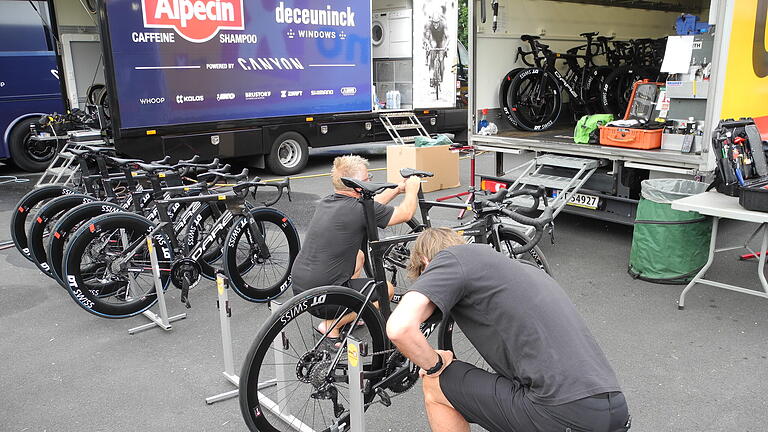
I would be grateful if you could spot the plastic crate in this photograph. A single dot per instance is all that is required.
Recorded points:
(642, 139)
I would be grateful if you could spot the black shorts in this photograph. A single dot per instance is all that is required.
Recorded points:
(328, 312)
(499, 404)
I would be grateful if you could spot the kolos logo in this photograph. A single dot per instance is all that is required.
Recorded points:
(194, 20)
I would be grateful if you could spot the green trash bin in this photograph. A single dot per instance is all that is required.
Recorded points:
(668, 246)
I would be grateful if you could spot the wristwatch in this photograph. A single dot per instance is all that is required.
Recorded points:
(439, 365)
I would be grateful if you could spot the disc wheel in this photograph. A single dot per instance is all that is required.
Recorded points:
(26, 212)
(291, 365)
(254, 275)
(43, 225)
(107, 265)
(535, 100)
(504, 95)
(68, 224)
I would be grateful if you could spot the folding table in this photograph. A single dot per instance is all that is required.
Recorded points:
(721, 206)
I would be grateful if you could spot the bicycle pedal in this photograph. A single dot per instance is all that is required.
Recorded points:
(386, 400)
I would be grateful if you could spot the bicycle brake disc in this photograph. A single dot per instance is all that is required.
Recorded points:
(185, 269)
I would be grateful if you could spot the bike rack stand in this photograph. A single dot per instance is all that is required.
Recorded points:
(356, 397)
(163, 320)
(225, 313)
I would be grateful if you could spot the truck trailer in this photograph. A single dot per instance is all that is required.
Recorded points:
(264, 81)
(731, 81)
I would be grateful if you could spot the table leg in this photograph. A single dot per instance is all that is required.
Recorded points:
(710, 259)
(761, 264)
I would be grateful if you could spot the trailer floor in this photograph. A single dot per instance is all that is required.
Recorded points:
(702, 369)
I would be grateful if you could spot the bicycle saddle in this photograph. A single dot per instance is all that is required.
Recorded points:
(122, 162)
(605, 38)
(370, 187)
(589, 34)
(527, 38)
(408, 172)
(164, 161)
(213, 175)
(148, 167)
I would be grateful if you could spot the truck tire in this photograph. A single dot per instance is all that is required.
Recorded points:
(29, 155)
(289, 154)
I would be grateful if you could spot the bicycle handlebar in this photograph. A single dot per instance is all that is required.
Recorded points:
(253, 186)
(538, 223)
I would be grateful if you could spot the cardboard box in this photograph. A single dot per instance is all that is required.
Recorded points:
(439, 160)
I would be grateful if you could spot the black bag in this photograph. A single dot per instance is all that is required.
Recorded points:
(739, 155)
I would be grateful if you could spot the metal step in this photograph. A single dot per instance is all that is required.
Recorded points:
(396, 114)
(405, 126)
(567, 161)
(548, 181)
(409, 139)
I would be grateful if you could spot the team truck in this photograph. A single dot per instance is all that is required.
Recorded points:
(29, 82)
(598, 181)
(265, 81)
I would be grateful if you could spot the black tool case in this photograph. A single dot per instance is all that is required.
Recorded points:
(754, 195)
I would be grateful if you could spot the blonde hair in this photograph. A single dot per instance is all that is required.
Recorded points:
(428, 244)
(347, 166)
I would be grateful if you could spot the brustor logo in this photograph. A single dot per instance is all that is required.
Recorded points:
(348, 91)
(251, 95)
(182, 98)
(225, 96)
(194, 20)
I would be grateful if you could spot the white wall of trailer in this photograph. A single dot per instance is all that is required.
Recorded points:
(559, 25)
(80, 49)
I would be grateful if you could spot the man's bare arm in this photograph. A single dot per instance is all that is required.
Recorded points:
(403, 329)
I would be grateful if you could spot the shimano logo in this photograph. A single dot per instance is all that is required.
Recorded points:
(182, 98)
(225, 96)
(348, 91)
(321, 92)
(194, 20)
(257, 95)
(151, 101)
(327, 16)
(290, 93)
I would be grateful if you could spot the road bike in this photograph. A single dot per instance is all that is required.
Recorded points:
(294, 378)
(106, 263)
(501, 235)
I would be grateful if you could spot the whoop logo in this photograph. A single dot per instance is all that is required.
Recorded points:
(759, 52)
(194, 20)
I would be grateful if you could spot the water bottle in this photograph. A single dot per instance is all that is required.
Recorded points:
(483, 122)
(390, 100)
(396, 98)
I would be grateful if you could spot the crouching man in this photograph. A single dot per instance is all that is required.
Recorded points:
(548, 375)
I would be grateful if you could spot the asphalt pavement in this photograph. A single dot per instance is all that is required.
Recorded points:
(62, 369)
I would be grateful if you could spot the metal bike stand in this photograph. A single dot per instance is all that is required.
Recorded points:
(355, 373)
(163, 320)
(225, 313)
(356, 397)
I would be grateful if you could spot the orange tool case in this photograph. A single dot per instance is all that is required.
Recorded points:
(641, 107)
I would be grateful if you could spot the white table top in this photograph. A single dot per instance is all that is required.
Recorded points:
(713, 203)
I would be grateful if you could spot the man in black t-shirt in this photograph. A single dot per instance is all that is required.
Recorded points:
(549, 372)
(330, 253)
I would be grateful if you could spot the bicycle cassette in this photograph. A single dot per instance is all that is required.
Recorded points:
(185, 269)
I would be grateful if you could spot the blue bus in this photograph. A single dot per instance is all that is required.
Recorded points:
(29, 81)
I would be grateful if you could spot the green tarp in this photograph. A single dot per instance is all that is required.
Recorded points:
(668, 246)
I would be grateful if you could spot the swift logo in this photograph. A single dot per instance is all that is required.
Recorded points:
(194, 20)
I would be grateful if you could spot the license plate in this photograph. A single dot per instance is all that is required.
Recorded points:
(582, 200)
